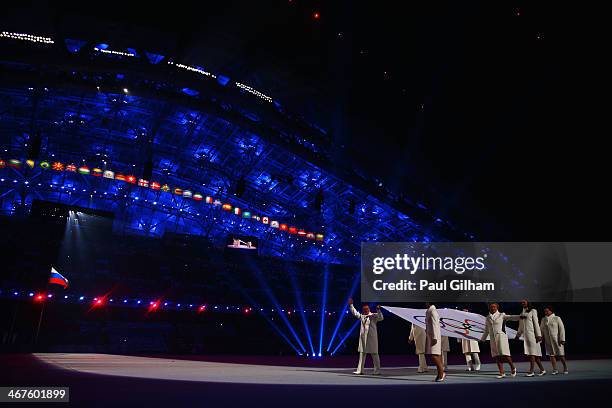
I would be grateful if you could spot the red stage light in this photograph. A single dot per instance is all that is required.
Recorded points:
(39, 297)
(202, 308)
(247, 310)
(316, 15)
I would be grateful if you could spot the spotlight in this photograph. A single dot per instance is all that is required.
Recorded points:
(316, 15)
(98, 301)
(201, 308)
(125, 90)
(39, 297)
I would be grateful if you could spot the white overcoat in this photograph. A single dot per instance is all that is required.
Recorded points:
(469, 346)
(494, 328)
(368, 335)
(529, 328)
(445, 344)
(553, 331)
(432, 329)
(419, 337)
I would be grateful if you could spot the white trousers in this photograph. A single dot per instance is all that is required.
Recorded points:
(472, 360)
(375, 360)
(445, 359)
(422, 362)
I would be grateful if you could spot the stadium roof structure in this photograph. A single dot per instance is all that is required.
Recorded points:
(139, 113)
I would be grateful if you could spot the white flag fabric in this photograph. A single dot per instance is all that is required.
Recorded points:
(453, 322)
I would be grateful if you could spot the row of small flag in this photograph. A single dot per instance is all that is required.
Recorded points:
(154, 185)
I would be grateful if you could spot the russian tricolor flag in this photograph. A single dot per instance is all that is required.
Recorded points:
(57, 278)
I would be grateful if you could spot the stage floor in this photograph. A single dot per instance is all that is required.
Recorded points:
(219, 372)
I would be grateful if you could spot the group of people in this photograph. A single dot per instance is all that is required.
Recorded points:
(429, 341)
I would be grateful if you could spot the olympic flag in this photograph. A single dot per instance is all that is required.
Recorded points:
(453, 323)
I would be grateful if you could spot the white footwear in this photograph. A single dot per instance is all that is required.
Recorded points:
(468, 369)
(566, 372)
(541, 373)
(440, 379)
(477, 367)
(531, 374)
(501, 376)
(357, 373)
(513, 373)
(554, 372)
(421, 370)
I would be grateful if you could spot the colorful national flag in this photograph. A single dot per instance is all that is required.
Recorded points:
(187, 194)
(165, 188)
(109, 174)
(301, 232)
(131, 179)
(57, 166)
(119, 177)
(178, 191)
(30, 163)
(284, 227)
(246, 214)
(143, 183)
(57, 278)
(14, 163)
(71, 167)
(319, 237)
(217, 202)
(310, 235)
(84, 170)
(97, 172)
(198, 197)
(227, 207)
(209, 200)
(44, 165)
(237, 211)
(155, 185)
(2, 164)
(274, 224)
(265, 220)
(293, 230)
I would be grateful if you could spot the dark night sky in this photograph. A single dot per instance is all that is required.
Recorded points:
(480, 109)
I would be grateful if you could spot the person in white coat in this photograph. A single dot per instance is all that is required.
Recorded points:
(368, 336)
(470, 350)
(553, 332)
(500, 348)
(433, 340)
(529, 328)
(418, 337)
(445, 351)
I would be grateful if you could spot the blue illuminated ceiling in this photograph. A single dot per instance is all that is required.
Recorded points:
(113, 111)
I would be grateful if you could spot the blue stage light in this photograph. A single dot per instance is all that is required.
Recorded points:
(323, 305)
(345, 336)
(344, 310)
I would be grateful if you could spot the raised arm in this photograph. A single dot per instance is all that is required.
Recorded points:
(379, 315)
(353, 310)
(512, 318)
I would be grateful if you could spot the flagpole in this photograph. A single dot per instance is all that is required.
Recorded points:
(42, 311)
